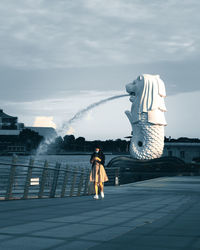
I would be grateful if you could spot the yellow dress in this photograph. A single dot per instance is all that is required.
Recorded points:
(98, 173)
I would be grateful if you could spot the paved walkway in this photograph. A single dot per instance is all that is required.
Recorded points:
(158, 214)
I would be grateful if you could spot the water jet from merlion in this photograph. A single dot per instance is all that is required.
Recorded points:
(78, 116)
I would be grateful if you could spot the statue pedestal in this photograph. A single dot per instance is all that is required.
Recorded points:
(132, 170)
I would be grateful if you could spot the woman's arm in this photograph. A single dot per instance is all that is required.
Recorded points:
(97, 159)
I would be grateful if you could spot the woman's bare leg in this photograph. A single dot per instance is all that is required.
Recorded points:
(96, 188)
(101, 186)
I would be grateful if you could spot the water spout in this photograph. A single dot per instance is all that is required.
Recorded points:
(78, 116)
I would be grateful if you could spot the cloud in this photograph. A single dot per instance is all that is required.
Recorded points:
(65, 34)
(44, 121)
(70, 131)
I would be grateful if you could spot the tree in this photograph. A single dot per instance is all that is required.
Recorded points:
(56, 146)
(30, 139)
(69, 142)
(80, 144)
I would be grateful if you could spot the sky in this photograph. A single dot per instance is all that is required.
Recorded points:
(57, 57)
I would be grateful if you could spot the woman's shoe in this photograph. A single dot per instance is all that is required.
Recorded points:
(102, 195)
(96, 197)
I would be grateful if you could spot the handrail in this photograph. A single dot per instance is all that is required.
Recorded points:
(22, 165)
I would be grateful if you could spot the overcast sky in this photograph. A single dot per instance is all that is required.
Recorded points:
(58, 56)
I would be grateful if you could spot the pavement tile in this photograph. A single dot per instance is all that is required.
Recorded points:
(154, 216)
(142, 230)
(4, 237)
(117, 208)
(127, 214)
(72, 230)
(163, 241)
(137, 222)
(28, 227)
(165, 231)
(196, 243)
(75, 245)
(106, 234)
(95, 213)
(29, 243)
(127, 246)
(107, 220)
(75, 218)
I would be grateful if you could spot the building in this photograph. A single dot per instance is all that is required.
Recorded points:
(7, 121)
(186, 151)
(9, 124)
(10, 130)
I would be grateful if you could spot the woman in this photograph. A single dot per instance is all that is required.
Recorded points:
(98, 174)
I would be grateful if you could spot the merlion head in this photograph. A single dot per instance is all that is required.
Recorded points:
(147, 95)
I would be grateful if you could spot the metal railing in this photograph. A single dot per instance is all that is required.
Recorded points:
(20, 181)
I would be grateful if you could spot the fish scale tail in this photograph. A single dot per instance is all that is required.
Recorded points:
(147, 141)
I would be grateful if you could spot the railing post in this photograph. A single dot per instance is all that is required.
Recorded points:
(11, 178)
(28, 178)
(117, 177)
(80, 182)
(55, 180)
(66, 176)
(87, 180)
(73, 182)
(43, 179)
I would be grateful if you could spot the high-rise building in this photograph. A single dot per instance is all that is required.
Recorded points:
(9, 124)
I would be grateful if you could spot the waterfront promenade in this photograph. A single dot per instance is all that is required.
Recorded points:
(156, 214)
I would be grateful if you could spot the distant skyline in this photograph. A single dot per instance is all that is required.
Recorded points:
(57, 57)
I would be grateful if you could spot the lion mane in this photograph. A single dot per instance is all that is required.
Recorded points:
(147, 96)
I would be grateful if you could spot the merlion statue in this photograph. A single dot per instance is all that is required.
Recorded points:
(147, 116)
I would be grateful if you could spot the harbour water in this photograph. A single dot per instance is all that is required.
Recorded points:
(82, 161)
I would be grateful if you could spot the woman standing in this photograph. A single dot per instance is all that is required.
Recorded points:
(98, 174)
